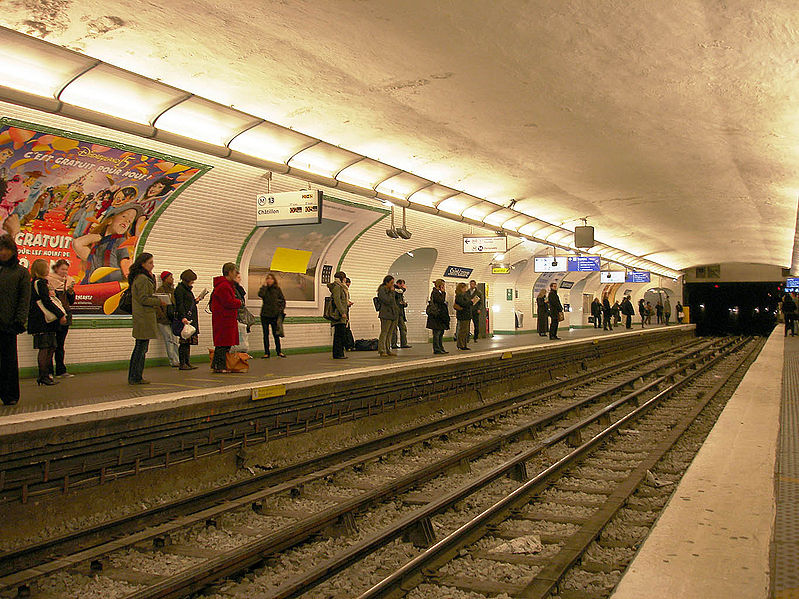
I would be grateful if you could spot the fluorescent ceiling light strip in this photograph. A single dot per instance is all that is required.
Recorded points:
(60, 66)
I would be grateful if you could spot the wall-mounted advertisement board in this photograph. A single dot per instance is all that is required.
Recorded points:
(551, 264)
(289, 208)
(485, 245)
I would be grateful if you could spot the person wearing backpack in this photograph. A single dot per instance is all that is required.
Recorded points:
(388, 313)
(438, 315)
(337, 312)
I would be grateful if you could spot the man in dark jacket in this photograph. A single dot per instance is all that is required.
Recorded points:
(606, 313)
(402, 327)
(628, 311)
(339, 292)
(477, 307)
(224, 316)
(555, 310)
(596, 312)
(15, 296)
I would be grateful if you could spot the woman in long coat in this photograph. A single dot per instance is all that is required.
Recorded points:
(186, 312)
(145, 324)
(543, 313)
(438, 316)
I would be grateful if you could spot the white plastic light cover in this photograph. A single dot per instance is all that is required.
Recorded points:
(366, 173)
(515, 223)
(480, 211)
(402, 185)
(499, 217)
(271, 142)
(457, 204)
(204, 120)
(560, 236)
(324, 159)
(430, 196)
(34, 66)
(120, 93)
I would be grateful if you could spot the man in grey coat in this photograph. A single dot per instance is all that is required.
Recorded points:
(402, 327)
(389, 314)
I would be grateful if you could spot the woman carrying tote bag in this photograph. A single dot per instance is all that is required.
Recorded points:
(46, 314)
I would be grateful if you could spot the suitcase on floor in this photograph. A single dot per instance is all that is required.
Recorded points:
(366, 345)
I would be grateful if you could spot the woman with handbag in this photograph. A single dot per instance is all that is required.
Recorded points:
(64, 288)
(272, 309)
(44, 317)
(186, 326)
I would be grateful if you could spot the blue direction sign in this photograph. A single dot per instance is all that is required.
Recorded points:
(638, 276)
(583, 263)
(792, 284)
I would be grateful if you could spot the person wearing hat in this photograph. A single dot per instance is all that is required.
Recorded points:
(164, 314)
(104, 246)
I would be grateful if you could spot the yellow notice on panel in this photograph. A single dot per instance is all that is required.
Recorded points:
(288, 260)
(268, 391)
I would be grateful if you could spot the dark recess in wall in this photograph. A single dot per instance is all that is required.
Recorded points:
(733, 308)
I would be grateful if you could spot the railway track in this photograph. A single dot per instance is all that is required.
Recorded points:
(296, 506)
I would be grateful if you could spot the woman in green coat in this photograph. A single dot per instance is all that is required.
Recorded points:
(145, 324)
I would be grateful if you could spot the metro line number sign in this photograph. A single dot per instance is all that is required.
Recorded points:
(289, 208)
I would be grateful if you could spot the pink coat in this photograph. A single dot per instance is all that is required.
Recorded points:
(224, 313)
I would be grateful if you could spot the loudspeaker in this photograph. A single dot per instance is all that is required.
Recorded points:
(584, 237)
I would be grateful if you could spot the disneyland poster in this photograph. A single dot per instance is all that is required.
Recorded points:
(88, 201)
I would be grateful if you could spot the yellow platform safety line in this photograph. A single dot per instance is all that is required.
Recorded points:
(787, 594)
(789, 479)
(268, 391)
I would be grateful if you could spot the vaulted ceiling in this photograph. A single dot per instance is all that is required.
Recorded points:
(672, 126)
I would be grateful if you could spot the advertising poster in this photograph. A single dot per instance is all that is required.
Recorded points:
(88, 201)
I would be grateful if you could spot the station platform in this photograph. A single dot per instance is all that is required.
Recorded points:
(731, 528)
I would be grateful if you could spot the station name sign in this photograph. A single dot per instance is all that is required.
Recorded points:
(289, 208)
(485, 245)
(458, 272)
(638, 276)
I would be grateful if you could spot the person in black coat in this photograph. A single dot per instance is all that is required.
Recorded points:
(186, 313)
(789, 313)
(596, 312)
(272, 309)
(438, 316)
(606, 313)
(628, 311)
(555, 311)
(543, 313)
(15, 295)
(463, 314)
(45, 334)
(642, 311)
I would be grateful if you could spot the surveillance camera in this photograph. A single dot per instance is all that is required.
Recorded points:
(404, 233)
(392, 233)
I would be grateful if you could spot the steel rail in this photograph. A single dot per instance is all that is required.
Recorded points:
(411, 573)
(235, 560)
(318, 467)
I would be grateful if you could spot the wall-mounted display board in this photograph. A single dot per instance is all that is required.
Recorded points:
(613, 276)
(289, 208)
(551, 264)
(638, 276)
(485, 245)
(583, 264)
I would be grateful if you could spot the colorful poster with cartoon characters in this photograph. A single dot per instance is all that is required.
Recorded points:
(89, 201)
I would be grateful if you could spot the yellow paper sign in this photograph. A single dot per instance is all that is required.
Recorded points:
(270, 391)
(506, 355)
(288, 260)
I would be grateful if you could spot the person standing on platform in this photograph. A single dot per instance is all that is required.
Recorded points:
(438, 315)
(666, 310)
(463, 315)
(145, 324)
(341, 308)
(163, 315)
(628, 311)
(542, 313)
(659, 312)
(616, 313)
(46, 314)
(596, 312)
(15, 296)
(272, 308)
(789, 313)
(649, 311)
(349, 338)
(399, 290)
(642, 312)
(64, 288)
(388, 313)
(478, 305)
(224, 316)
(186, 312)
(555, 311)
(679, 312)
(606, 312)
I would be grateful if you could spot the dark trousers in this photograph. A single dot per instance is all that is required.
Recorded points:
(606, 321)
(789, 318)
(476, 318)
(266, 323)
(9, 368)
(137, 358)
(597, 321)
(339, 332)
(61, 337)
(184, 354)
(220, 357)
(628, 321)
(553, 326)
(438, 340)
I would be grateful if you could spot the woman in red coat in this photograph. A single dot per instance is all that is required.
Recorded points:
(224, 311)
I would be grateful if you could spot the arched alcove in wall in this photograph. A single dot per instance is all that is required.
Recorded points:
(416, 267)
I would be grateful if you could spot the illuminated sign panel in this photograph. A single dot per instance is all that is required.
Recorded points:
(289, 208)
(583, 263)
(485, 245)
(613, 276)
(638, 276)
(551, 264)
